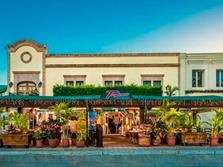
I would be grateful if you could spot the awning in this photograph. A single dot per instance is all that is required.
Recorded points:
(98, 101)
(3, 88)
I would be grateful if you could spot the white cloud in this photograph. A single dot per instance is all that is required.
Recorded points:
(200, 33)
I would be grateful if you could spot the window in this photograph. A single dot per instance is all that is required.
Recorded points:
(108, 83)
(26, 88)
(117, 83)
(156, 83)
(147, 83)
(113, 80)
(219, 78)
(69, 83)
(76, 80)
(152, 79)
(197, 78)
(79, 83)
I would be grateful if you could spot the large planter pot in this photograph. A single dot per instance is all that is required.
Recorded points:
(73, 141)
(193, 138)
(65, 143)
(144, 141)
(171, 140)
(157, 141)
(15, 140)
(80, 143)
(214, 141)
(39, 143)
(52, 143)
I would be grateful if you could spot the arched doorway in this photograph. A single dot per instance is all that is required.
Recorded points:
(26, 88)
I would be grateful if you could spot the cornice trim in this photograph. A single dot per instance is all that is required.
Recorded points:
(14, 47)
(109, 65)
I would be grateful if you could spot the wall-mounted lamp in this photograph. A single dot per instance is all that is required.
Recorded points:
(10, 84)
(40, 84)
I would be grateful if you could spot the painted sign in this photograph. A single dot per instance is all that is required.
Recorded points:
(92, 116)
(115, 93)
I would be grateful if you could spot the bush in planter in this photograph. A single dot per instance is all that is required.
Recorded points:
(52, 131)
(81, 131)
(1, 120)
(17, 130)
(216, 123)
(172, 120)
(63, 115)
(37, 135)
(62, 90)
(19, 121)
(158, 129)
(1, 124)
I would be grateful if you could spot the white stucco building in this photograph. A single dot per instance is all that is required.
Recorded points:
(201, 74)
(31, 69)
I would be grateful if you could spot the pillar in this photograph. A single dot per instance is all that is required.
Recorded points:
(142, 115)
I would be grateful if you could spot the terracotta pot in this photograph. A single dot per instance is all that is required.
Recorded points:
(73, 141)
(214, 141)
(65, 143)
(52, 143)
(171, 140)
(80, 143)
(157, 141)
(39, 143)
(144, 141)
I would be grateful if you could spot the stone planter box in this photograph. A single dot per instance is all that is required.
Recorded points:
(15, 140)
(194, 138)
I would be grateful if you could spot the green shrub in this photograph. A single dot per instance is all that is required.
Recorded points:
(62, 90)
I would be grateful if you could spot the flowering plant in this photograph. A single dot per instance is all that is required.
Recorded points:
(51, 129)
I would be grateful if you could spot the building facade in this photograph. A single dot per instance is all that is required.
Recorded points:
(31, 70)
(201, 74)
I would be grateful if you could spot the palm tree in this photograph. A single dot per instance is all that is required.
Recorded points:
(171, 91)
(166, 105)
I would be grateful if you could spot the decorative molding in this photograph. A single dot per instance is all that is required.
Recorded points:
(44, 73)
(113, 75)
(26, 72)
(203, 91)
(9, 71)
(152, 75)
(84, 76)
(109, 65)
(18, 44)
(22, 57)
(114, 55)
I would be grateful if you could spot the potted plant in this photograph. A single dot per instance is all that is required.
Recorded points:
(65, 139)
(157, 127)
(63, 115)
(216, 123)
(37, 135)
(171, 118)
(51, 130)
(1, 124)
(17, 130)
(81, 131)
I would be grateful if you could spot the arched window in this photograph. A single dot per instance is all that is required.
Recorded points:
(26, 88)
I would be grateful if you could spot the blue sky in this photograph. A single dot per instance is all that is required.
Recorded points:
(102, 26)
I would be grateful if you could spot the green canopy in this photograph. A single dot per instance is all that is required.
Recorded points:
(3, 88)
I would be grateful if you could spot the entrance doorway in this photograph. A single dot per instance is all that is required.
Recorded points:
(113, 123)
